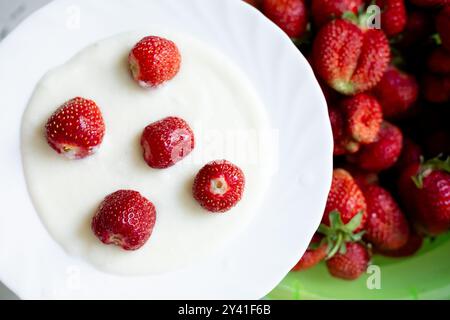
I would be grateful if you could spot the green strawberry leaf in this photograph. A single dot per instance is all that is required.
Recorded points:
(354, 223)
(324, 229)
(343, 249)
(336, 247)
(335, 220)
(350, 16)
(358, 236)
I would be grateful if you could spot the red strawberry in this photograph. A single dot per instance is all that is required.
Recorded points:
(411, 153)
(124, 218)
(166, 142)
(219, 186)
(325, 10)
(386, 227)
(345, 214)
(315, 254)
(393, 16)
(418, 27)
(154, 60)
(76, 129)
(425, 191)
(430, 3)
(439, 61)
(436, 88)
(396, 92)
(443, 25)
(363, 116)
(346, 198)
(351, 60)
(383, 153)
(413, 245)
(362, 178)
(343, 144)
(289, 15)
(351, 264)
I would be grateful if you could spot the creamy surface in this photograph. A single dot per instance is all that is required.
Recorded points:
(209, 92)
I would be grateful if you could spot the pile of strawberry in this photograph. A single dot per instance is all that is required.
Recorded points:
(388, 93)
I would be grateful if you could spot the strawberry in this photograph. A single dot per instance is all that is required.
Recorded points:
(436, 88)
(346, 198)
(363, 117)
(219, 186)
(396, 92)
(350, 59)
(393, 16)
(362, 178)
(154, 60)
(166, 142)
(345, 214)
(411, 153)
(324, 11)
(413, 245)
(351, 264)
(383, 153)
(343, 144)
(125, 218)
(430, 3)
(316, 252)
(425, 191)
(439, 61)
(76, 129)
(290, 15)
(443, 25)
(386, 227)
(418, 27)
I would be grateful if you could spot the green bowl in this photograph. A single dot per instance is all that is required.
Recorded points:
(425, 275)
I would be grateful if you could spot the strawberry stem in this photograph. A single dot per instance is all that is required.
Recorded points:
(338, 233)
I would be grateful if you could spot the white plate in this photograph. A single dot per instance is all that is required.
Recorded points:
(34, 266)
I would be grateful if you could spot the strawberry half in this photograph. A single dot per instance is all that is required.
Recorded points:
(154, 60)
(289, 15)
(219, 186)
(76, 129)
(167, 142)
(124, 218)
(350, 59)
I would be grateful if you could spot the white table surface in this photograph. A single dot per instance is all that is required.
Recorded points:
(11, 14)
